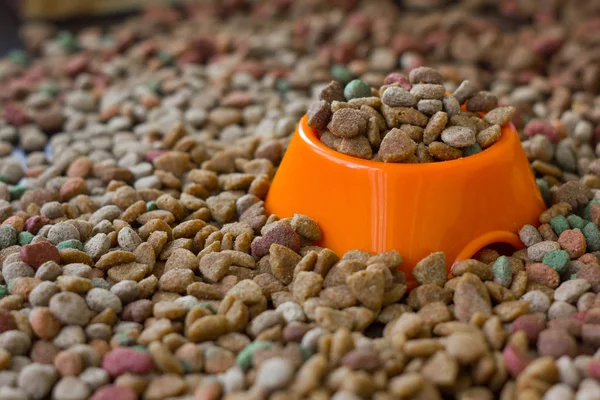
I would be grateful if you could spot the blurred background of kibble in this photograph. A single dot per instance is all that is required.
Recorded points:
(65, 14)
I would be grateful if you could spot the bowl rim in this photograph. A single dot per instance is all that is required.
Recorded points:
(508, 137)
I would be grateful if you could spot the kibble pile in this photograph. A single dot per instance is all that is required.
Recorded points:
(137, 258)
(414, 121)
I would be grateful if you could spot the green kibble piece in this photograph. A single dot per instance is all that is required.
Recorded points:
(470, 150)
(573, 276)
(165, 57)
(154, 85)
(592, 236)
(70, 244)
(558, 260)
(356, 89)
(306, 353)
(559, 224)
(49, 88)
(208, 306)
(576, 222)
(502, 272)
(16, 191)
(341, 73)
(282, 85)
(140, 348)
(587, 211)
(3, 291)
(10, 286)
(8, 236)
(18, 57)
(67, 41)
(544, 190)
(151, 206)
(244, 358)
(25, 238)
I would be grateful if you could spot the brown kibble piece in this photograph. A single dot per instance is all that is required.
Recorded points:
(444, 152)
(368, 287)
(396, 146)
(319, 115)
(434, 127)
(347, 123)
(489, 136)
(358, 146)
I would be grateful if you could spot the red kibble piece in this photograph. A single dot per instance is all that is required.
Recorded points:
(76, 65)
(556, 343)
(592, 316)
(543, 274)
(152, 154)
(7, 322)
(515, 360)
(38, 253)
(15, 115)
(588, 258)
(539, 127)
(283, 234)
(531, 324)
(35, 223)
(123, 360)
(114, 392)
(396, 77)
(573, 242)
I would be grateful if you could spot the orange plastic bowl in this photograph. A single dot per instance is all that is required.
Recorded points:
(457, 206)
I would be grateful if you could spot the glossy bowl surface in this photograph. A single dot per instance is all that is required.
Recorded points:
(457, 206)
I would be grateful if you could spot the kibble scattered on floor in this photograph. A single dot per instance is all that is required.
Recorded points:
(137, 258)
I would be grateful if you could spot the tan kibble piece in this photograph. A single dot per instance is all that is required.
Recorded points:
(116, 257)
(458, 136)
(432, 269)
(240, 259)
(188, 229)
(332, 319)
(348, 123)
(466, 348)
(330, 140)
(214, 266)
(283, 262)
(373, 113)
(373, 133)
(164, 360)
(500, 116)
(182, 259)
(203, 291)
(209, 327)
(510, 310)
(306, 227)
(434, 127)
(406, 385)
(405, 115)
(144, 254)
(307, 285)
(489, 136)
(131, 272)
(368, 287)
(357, 146)
(471, 296)
(482, 270)
(396, 146)
(441, 369)
(444, 152)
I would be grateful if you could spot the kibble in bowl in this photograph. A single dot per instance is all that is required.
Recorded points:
(460, 205)
(408, 120)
